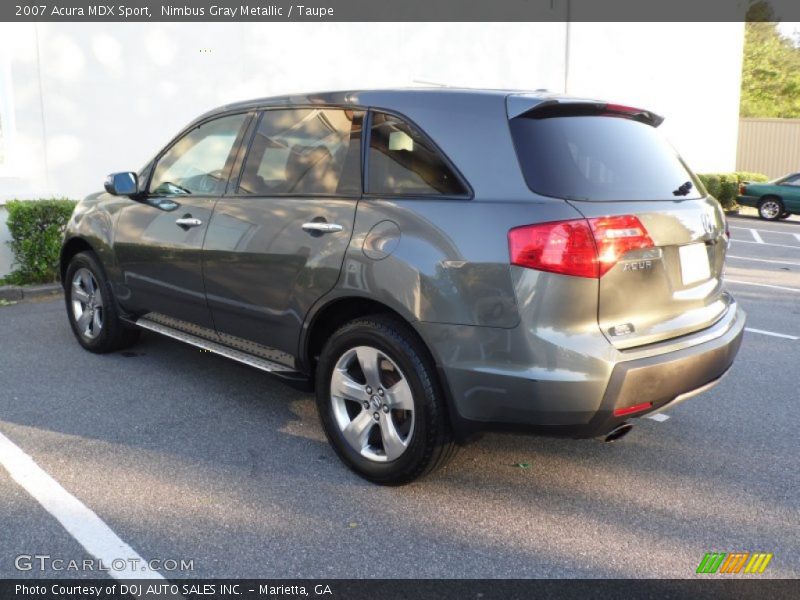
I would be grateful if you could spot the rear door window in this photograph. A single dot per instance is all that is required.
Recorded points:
(401, 161)
(600, 158)
(305, 151)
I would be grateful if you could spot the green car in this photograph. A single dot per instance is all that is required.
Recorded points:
(776, 199)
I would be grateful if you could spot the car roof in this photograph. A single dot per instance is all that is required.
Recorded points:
(388, 98)
(470, 126)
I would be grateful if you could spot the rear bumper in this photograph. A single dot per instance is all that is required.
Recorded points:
(748, 201)
(497, 395)
(665, 380)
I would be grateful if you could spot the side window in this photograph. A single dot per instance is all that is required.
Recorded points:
(795, 181)
(305, 151)
(195, 164)
(402, 161)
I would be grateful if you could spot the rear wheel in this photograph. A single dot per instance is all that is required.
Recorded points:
(380, 403)
(770, 208)
(91, 307)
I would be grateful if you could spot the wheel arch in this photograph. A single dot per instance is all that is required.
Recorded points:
(70, 248)
(771, 196)
(329, 315)
(334, 313)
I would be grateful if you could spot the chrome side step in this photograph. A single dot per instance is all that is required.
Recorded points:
(248, 359)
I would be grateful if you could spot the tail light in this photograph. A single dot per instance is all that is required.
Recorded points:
(741, 189)
(580, 247)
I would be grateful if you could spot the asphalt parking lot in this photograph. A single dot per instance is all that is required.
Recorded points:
(186, 455)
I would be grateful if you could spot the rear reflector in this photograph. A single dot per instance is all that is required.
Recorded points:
(580, 247)
(629, 410)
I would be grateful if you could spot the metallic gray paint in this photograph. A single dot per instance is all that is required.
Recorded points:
(444, 268)
(263, 272)
(514, 346)
(161, 262)
(654, 300)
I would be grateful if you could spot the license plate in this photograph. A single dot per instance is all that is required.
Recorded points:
(694, 263)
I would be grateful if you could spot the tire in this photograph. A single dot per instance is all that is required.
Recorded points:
(88, 293)
(770, 208)
(398, 432)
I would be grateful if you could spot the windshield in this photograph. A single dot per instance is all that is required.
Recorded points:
(791, 179)
(600, 158)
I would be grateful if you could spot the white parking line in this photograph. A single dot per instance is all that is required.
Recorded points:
(766, 285)
(772, 333)
(766, 260)
(756, 236)
(660, 417)
(81, 523)
(797, 236)
(766, 244)
(762, 230)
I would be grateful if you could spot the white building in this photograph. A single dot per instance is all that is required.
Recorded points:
(78, 101)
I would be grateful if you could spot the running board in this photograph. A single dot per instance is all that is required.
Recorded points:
(248, 359)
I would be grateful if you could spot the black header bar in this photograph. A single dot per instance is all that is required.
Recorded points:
(399, 10)
(706, 588)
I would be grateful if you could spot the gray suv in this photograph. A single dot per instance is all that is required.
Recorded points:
(433, 262)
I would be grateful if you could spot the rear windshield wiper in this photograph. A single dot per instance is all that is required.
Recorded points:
(683, 189)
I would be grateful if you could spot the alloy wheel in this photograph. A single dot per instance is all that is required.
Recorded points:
(770, 209)
(372, 404)
(87, 304)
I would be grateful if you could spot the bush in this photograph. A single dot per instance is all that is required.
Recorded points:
(37, 230)
(725, 186)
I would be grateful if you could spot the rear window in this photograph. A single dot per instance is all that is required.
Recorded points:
(600, 158)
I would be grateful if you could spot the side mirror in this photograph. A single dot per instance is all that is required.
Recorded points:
(122, 184)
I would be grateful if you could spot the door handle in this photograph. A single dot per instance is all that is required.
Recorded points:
(322, 227)
(188, 222)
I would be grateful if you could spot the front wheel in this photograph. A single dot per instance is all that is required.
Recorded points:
(91, 307)
(770, 209)
(380, 403)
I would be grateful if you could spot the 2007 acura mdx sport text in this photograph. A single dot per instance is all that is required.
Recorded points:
(435, 262)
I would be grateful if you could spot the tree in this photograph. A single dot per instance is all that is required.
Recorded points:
(770, 72)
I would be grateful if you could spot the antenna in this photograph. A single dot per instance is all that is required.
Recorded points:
(433, 83)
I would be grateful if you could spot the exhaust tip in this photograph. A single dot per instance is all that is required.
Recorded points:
(618, 432)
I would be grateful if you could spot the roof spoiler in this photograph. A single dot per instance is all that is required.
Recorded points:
(543, 108)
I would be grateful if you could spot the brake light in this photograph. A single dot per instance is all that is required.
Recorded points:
(629, 410)
(639, 114)
(615, 237)
(622, 109)
(580, 247)
(742, 187)
(565, 247)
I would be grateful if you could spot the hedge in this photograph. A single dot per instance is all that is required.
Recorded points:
(725, 186)
(37, 230)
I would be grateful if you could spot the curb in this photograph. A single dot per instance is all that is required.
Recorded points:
(15, 293)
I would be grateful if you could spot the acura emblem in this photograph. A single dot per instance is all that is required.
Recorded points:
(708, 224)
